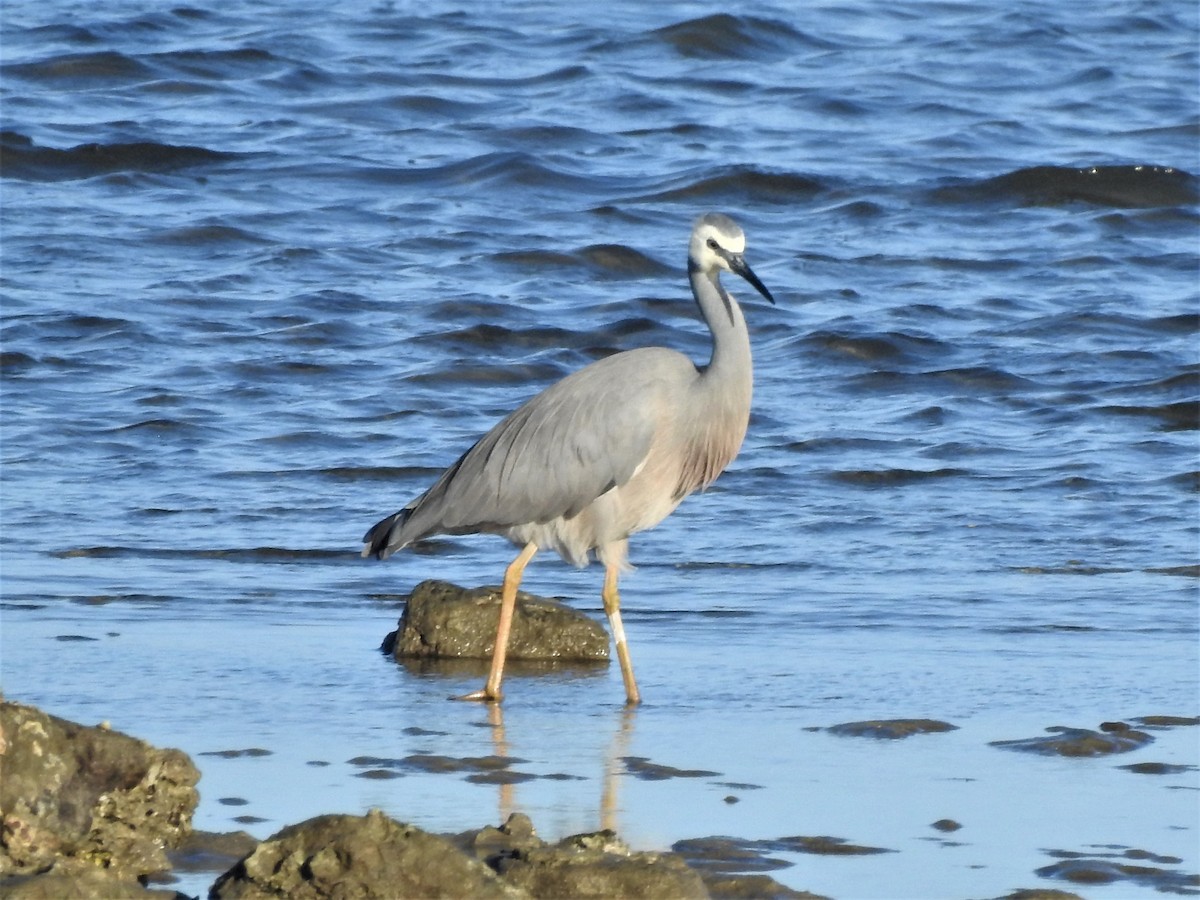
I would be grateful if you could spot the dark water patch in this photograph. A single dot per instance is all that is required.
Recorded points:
(499, 339)
(495, 171)
(945, 825)
(249, 820)
(434, 764)
(1157, 768)
(1073, 567)
(727, 855)
(726, 36)
(205, 236)
(14, 362)
(891, 478)
(1118, 865)
(889, 346)
(1167, 721)
(74, 638)
(379, 774)
(1181, 416)
(233, 801)
(891, 729)
(1048, 628)
(222, 65)
(160, 425)
(501, 776)
(742, 186)
(60, 33)
(21, 159)
(536, 259)
(246, 554)
(982, 380)
(251, 752)
(641, 767)
(468, 372)
(620, 261)
(733, 855)
(1113, 737)
(1188, 571)
(105, 599)
(207, 851)
(372, 473)
(81, 70)
(1123, 187)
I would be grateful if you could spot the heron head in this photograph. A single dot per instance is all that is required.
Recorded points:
(719, 243)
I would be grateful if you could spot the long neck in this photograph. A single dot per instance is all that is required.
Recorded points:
(730, 361)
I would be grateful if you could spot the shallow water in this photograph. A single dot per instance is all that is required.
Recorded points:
(266, 270)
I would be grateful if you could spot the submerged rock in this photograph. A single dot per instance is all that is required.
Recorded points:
(86, 808)
(444, 620)
(1113, 737)
(891, 729)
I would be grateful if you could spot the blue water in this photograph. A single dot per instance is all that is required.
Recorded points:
(267, 268)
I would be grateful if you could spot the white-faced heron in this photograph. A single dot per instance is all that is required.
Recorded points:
(606, 452)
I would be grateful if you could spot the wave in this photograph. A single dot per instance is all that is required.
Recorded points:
(1124, 187)
(23, 160)
(726, 36)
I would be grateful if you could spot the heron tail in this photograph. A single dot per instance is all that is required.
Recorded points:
(383, 539)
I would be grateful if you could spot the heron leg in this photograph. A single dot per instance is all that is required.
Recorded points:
(508, 604)
(612, 608)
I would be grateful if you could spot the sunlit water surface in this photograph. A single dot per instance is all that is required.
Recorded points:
(267, 269)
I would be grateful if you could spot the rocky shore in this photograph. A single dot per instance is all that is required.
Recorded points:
(88, 812)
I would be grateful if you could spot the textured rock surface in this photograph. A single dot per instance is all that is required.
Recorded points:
(76, 801)
(598, 865)
(1113, 737)
(443, 620)
(358, 857)
(891, 729)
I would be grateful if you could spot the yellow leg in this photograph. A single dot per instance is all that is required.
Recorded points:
(612, 607)
(508, 603)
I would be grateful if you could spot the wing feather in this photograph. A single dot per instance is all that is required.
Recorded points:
(553, 456)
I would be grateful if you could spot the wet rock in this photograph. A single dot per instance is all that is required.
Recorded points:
(946, 825)
(77, 882)
(1129, 867)
(726, 854)
(891, 729)
(443, 620)
(77, 801)
(358, 856)
(1113, 737)
(753, 887)
(643, 768)
(1157, 768)
(1167, 721)
(599, 865)
(1040, 894)
(491, 845)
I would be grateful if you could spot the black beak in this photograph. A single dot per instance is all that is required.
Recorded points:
(738, 264)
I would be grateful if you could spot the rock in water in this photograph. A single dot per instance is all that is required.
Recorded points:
(77, 800)
(600, 865)
(446, 621)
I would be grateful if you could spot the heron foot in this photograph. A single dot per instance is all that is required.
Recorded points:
(483, 695)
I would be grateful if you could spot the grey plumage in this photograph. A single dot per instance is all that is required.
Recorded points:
(606, 452)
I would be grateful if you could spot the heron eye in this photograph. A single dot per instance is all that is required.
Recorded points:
(712, 244)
